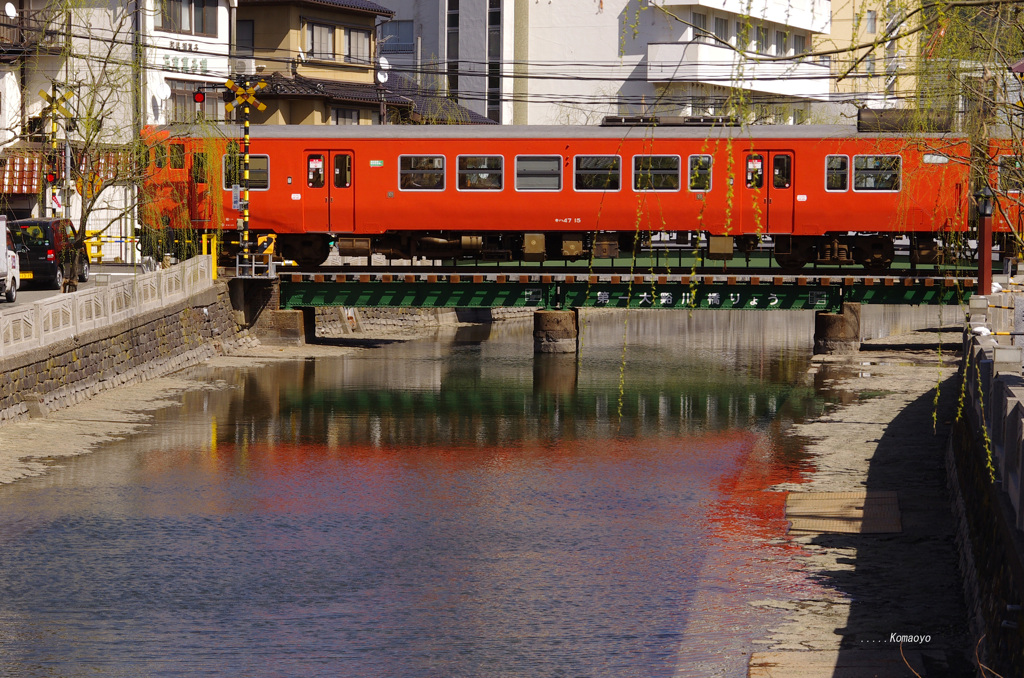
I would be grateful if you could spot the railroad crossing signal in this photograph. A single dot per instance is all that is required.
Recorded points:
(245, 94)
(55, 103)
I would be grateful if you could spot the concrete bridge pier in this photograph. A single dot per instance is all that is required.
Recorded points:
(556, 331)
(837, 333)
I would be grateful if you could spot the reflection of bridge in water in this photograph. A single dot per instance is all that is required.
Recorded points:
(476, 385)
(497, 414)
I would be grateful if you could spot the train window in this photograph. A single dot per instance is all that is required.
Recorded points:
(1011, 173)
(177, 155)
(598, 172)
(539, 173)
(837, 172)
(421, 172)
(234, 171)
(480, 172)
(755, 171)
(342, 170)
(876, 172)
(782, 171)
(142, 156)
(315, 170)
(160, 155)
(700, 172)
(199, 170)
(656, 172)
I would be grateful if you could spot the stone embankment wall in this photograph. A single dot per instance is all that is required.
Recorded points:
(147, 345)
(984, 468)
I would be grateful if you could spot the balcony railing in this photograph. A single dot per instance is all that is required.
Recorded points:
(40, 29)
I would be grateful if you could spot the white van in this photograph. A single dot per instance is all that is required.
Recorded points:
(10, 269)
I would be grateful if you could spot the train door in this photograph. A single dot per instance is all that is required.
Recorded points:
(774, 194)
(328, 200)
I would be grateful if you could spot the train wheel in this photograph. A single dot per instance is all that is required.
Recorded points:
(790, 262)
(793, 252)
(874, 253)
(308, 251)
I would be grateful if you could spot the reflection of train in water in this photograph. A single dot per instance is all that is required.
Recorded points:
(825, 194)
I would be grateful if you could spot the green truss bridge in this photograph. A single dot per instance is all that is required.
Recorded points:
(655, 291)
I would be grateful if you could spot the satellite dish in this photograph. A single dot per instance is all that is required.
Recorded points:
(162, 90)
(382, 70)
(11, 10)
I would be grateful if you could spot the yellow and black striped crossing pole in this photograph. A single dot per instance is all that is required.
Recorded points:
(245, 94)
(55, 105)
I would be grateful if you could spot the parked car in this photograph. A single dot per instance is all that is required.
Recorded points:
(10, 270)
(47, 247)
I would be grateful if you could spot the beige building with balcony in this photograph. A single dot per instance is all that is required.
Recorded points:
(318, 58)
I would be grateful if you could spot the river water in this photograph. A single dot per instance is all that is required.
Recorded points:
(447, 507)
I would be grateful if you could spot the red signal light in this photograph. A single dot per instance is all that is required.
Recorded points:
(199, 96)
(51, 177)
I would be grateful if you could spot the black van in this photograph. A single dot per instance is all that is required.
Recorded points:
(47, 245)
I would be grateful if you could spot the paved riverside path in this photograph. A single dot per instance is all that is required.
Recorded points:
(887, 434)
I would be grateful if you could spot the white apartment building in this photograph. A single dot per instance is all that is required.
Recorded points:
(112, 68)
(576, 61)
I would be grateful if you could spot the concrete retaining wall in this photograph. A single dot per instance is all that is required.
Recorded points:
(146, 345)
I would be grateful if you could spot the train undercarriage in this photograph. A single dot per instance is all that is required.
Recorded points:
(872, 252)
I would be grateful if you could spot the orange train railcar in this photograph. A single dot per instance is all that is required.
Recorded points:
(825, 194)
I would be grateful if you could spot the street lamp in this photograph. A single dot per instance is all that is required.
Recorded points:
(984, 199)
(986, 205)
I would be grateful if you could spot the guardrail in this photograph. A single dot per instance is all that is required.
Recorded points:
(67, 315)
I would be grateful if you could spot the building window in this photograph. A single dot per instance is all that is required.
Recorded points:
(539, 173)
(781, 44)
(357, 46)
(345, 116)
(799, 44)
(700, 27)
(421, 172)
(480, 172)
(762, 40)
(837, 172)
(700, 172)
(656, 172)
(742, 35)
(598, 172)
(245, 43)
(869, 66)
(871, 21)
(396, 37)
(452, 48)
(181, 107)
(198, 17)
(320, 41)
(876, 172)
(722, 29)
(494, 60)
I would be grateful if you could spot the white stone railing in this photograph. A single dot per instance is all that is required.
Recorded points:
(66, 315)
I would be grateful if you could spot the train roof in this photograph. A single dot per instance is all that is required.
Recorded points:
(384, 132)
